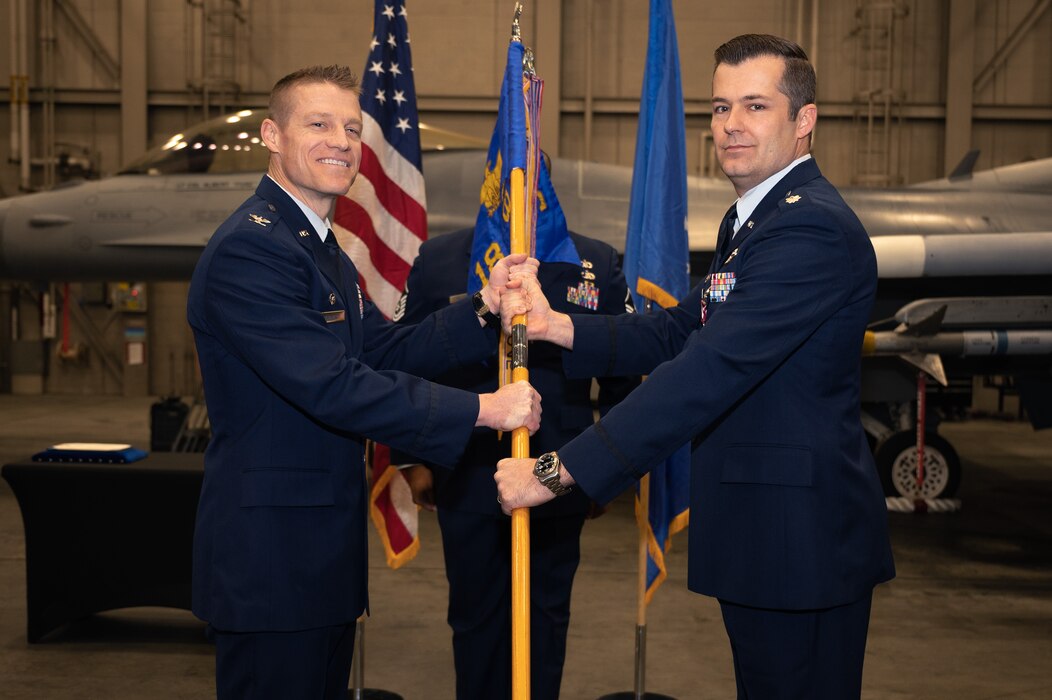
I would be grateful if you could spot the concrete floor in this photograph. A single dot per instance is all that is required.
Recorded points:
(969, 616)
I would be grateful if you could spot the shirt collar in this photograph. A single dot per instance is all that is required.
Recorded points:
(320, 225)
(748, 202)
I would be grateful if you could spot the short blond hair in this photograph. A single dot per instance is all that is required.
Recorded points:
(340, 76)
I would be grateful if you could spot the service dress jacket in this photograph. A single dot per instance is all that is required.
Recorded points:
(299, 369)
(787, 509)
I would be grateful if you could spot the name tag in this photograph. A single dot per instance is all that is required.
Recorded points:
(334, 316)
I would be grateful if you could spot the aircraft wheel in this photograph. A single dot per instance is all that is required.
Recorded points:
(896, 459)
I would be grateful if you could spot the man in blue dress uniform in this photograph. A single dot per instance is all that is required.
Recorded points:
(476, 536)
(760, 367)
(299, 369)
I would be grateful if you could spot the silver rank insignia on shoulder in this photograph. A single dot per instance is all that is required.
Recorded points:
(332, 299)
(304, 234)
(257, 219)
(792, 199)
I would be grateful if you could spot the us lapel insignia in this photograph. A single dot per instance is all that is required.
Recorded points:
(332, 299)
(584, 294)
(792, 199)
(304, 234)
(749, 223)
(257, 219)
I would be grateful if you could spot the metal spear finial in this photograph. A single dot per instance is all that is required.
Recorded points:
(516, 31)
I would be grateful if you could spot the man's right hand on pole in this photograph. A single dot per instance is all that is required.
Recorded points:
(512, 406)
(542, 323)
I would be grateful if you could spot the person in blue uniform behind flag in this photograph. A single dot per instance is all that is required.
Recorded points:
(299, 369)
(760, 365)
(476, 536)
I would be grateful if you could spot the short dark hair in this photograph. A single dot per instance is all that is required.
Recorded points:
(798, 79)
(340, 76)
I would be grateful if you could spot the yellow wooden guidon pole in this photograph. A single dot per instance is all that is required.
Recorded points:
(520, 447)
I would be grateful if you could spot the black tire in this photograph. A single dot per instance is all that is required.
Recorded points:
(896, 459)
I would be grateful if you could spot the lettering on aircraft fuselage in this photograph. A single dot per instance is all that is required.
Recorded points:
(195, 186)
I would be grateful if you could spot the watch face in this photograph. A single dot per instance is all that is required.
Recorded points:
(546, 464)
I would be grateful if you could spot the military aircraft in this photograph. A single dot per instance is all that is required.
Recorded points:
(968, 237)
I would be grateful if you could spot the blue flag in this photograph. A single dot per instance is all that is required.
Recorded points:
(509, 149)
(656, 262)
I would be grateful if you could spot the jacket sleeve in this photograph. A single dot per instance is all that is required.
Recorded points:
(259, 303)
(612, 389)
(789, 283)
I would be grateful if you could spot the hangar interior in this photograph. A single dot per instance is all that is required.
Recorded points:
(906, 89)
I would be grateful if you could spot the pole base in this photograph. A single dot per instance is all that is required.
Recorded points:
(631, 695)
(371, 694)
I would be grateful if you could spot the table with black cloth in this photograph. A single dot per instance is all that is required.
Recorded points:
(105, 536)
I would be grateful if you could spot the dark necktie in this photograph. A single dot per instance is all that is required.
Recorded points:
(723, 239)
(332, 244)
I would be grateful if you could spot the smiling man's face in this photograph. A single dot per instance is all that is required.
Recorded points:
(316, 152)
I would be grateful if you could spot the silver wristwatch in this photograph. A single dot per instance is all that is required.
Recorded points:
(547, 472)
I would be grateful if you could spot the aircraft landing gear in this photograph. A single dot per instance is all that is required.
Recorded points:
(896, 458)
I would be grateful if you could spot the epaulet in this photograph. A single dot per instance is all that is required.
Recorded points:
(264, 216)
(792, 198)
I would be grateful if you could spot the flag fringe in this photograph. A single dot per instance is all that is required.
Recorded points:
(395, 560)
(677, 524)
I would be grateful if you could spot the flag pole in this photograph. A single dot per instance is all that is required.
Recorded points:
(520, 448)
(642, 520)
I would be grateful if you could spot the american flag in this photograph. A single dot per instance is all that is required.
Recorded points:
(382, 221)
(380, 224)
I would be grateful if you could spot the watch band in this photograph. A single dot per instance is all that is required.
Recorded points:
(483, 312)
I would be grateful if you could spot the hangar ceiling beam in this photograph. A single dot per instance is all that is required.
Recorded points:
(1011, 43)
(133, 79)
(959, 73)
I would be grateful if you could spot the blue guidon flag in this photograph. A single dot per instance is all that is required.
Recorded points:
(656, 253)
(383, 219)
(514, 144)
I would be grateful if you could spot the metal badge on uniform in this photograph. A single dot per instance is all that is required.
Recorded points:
(732, 256)
(361, 302)
(257, 219)
(722, 284)
(584, 294)
(332, 298)
(586, 264)
(304, 234)
(334, 316)
(793, 199)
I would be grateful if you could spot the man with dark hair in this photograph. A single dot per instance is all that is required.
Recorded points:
(299, 369)
(760, 367)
